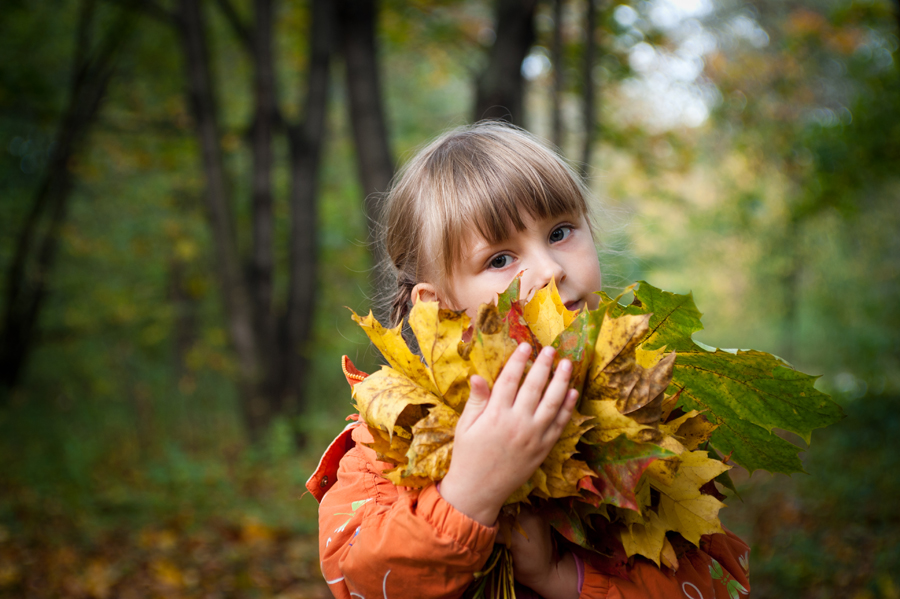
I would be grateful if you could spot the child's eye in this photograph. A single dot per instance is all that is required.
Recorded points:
(501, 261)
(560, 233)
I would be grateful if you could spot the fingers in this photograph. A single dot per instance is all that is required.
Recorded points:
(561, 417)
(537, 396)
(479, 394)
(507, 384)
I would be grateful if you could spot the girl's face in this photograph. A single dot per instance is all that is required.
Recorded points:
(559, 248)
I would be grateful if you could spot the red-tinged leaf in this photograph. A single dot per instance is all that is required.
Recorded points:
(563, 517)
(519, 330)
(509, 297)
(576, 343)
(620, 465)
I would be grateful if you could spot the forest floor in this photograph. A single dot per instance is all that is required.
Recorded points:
(834, 532)
(172, 560)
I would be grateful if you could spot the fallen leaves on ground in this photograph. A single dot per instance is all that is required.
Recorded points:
(218, 559)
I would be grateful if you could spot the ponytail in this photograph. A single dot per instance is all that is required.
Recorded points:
(401, 302)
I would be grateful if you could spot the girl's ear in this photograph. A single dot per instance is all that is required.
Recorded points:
(425, 292)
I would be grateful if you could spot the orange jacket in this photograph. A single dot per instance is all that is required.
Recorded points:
(378, 540)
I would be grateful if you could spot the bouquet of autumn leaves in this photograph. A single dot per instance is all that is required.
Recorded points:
(641, 456)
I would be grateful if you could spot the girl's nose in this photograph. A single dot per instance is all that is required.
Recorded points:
(547, 267)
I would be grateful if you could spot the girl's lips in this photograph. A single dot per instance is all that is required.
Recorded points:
(574, 306)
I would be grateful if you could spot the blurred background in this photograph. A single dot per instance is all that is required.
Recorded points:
(187, 190)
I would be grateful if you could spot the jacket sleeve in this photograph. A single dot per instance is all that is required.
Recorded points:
(718, 568)
(378, 540)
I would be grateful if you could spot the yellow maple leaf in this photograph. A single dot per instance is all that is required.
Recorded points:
(439, 333)
(682, 507)
(644, 535)
(432, 445)
(690, 429)
(609, 423)
(392, 346)
(387, 448)
(619, 338)
(491, 346)
(388, 399)
(546, 315)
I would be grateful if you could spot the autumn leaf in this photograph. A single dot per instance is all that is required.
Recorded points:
(439, 333)
(610, 423)
(432, 445)
(546, 315)
(644, 535)
(394, 349)
(690, 429)
(491, 346)
(619, 465)
(628, 463)
(747, 393)
(682, 506)
(387, 399)
(576, 343)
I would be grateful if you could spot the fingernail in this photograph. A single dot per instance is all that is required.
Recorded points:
(565, 365)
(524, 348)
(548, 351)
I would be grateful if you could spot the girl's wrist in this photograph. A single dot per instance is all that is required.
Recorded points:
(466, 501)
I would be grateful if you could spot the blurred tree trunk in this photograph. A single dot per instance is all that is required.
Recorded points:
(589, 108)
(235, 296)
(357, 22)
(897, 17)
(556, 58)
(262, 261)
(306, 144)
(282, 339)
(499, 92)
(36, 247)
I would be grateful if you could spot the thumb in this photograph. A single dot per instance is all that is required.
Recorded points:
(479, 394)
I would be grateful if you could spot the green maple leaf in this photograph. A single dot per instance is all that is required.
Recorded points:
(748, 393)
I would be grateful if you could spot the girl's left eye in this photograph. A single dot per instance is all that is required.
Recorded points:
(560, 233)
(501, 261)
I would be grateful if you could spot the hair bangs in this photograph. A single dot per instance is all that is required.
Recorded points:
(491, 185)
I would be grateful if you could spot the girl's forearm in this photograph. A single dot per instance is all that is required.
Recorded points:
(561, 582)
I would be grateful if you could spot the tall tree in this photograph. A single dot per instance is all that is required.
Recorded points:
(589, 108)
(558, 61)
(500, 88)
(93, 67)
(271, 345)
(357, 21)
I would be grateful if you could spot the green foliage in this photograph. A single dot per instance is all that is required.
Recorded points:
(748, 393)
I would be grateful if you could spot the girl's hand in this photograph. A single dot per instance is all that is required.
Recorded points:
(536, 565)
(504, 435)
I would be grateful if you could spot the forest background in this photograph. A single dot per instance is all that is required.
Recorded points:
(188, 191)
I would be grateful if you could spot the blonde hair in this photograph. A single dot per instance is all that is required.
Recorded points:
(480, 178)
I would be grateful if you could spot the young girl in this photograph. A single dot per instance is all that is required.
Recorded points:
(470, 211)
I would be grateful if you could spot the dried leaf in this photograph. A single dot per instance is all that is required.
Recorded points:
(610, 423)
(388, 399)
(432, 445)
(491, 346)
(691, 429)
(394, 349)
(645, 535)
(619, 465)
(546, 315)
(439, 333)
